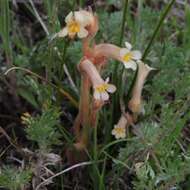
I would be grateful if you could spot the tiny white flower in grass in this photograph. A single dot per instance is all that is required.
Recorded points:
(75, 25)
(101, 91)
(119, 132)
(129, 57)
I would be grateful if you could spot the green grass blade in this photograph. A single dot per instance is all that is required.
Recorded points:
(5, 27)
(162, 18)
(123, 22)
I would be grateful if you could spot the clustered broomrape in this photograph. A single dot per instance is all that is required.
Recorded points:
(84, 25)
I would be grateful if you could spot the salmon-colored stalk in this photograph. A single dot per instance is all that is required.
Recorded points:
(82, 123)
(87, 112)
(82, 119)
(84, 24)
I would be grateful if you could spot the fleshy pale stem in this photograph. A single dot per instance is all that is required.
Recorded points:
(135, 102)
(83, 121)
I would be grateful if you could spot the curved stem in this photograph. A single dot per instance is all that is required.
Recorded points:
(62, 91)
(83, 117)
(84, 114)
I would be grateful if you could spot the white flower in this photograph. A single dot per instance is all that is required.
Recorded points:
(101, 91)
(129, 57)
(119, 131)
(101, 87)
(75, 24)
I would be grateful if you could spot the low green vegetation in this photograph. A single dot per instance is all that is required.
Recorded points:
(40, 96)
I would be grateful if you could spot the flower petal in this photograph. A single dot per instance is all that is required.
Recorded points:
(104, 96)
(117, 136)
(136, 55)
(96, 95)
(82, 33)
(144, 66)
(119, 132)
(111, 88)
(69, 17)
(123, 135)
(149, 68)
(128, 45)
(88, 16)
(123, 52)
(63, 32)
(71, 34)
(113, 132)
(130, 65)
(107, 80)
(81, 18)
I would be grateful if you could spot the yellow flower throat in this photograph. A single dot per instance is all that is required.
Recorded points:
(102, 88)
(119, 130)
(127, 57)
(73, 27)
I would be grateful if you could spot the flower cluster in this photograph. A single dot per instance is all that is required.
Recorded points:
(77, 23)
(84, 24)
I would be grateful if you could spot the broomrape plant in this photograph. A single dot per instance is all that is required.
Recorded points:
(84, 25)
(123, 141)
